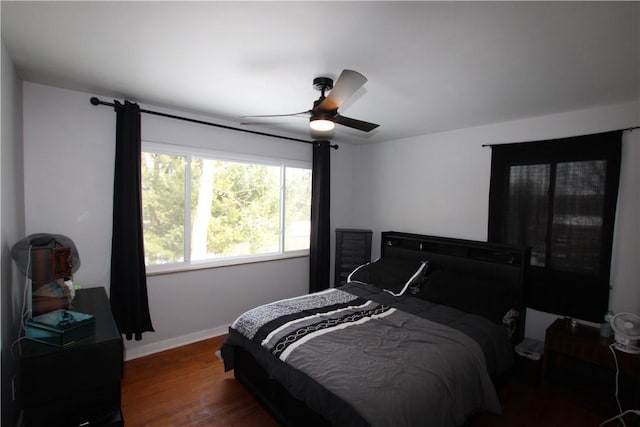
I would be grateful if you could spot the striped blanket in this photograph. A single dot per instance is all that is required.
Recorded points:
(393, 368)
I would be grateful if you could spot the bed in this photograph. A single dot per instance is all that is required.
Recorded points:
(416, 337)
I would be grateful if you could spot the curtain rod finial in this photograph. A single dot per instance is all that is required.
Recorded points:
(94, 100)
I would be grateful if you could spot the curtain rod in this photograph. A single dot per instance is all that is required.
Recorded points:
(509, 143)
(95, 101)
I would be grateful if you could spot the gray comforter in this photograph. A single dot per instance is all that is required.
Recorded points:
(389, 366)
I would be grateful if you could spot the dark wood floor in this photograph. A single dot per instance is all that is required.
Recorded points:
(188, 387)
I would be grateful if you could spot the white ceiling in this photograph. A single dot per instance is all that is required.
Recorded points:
(431, 66)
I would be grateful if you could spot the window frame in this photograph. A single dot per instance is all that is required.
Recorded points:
(551, 290)
(191, 151)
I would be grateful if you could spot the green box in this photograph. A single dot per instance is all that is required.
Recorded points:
(60, 328)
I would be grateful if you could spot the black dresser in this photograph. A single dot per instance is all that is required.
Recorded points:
(353, 248)
(78, 384)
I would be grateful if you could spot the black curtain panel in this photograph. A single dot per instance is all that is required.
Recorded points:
(128, 294)
(319, 250)
(559, 198)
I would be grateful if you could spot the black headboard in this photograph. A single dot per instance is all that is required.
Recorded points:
(508, 264)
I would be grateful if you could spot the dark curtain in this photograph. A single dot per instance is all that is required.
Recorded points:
(128, 294)
(559, 198)
(319, 250)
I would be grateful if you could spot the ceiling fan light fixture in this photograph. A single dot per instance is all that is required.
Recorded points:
(321, 124)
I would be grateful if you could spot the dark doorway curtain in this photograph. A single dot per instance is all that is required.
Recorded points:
(128, 294)
(319, 250)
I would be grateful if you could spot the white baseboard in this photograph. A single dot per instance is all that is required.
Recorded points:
(156, 347)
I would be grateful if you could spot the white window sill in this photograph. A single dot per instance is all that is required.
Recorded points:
(157, 270)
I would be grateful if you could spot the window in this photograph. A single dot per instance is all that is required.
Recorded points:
(201, 208)
(559, 198)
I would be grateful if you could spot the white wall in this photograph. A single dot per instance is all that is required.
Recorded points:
(439, 184)
(69, 153)
(342, 195)
(11, 229)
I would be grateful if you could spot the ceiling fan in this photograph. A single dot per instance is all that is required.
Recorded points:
(324, 114)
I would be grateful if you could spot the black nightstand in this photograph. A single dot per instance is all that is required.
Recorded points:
(79, 383)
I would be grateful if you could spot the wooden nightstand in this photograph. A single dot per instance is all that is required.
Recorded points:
(580, 359)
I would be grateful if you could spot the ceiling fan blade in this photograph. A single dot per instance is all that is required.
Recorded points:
(347, 84)
(354, 123)
(271, 121)
(300, 114)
